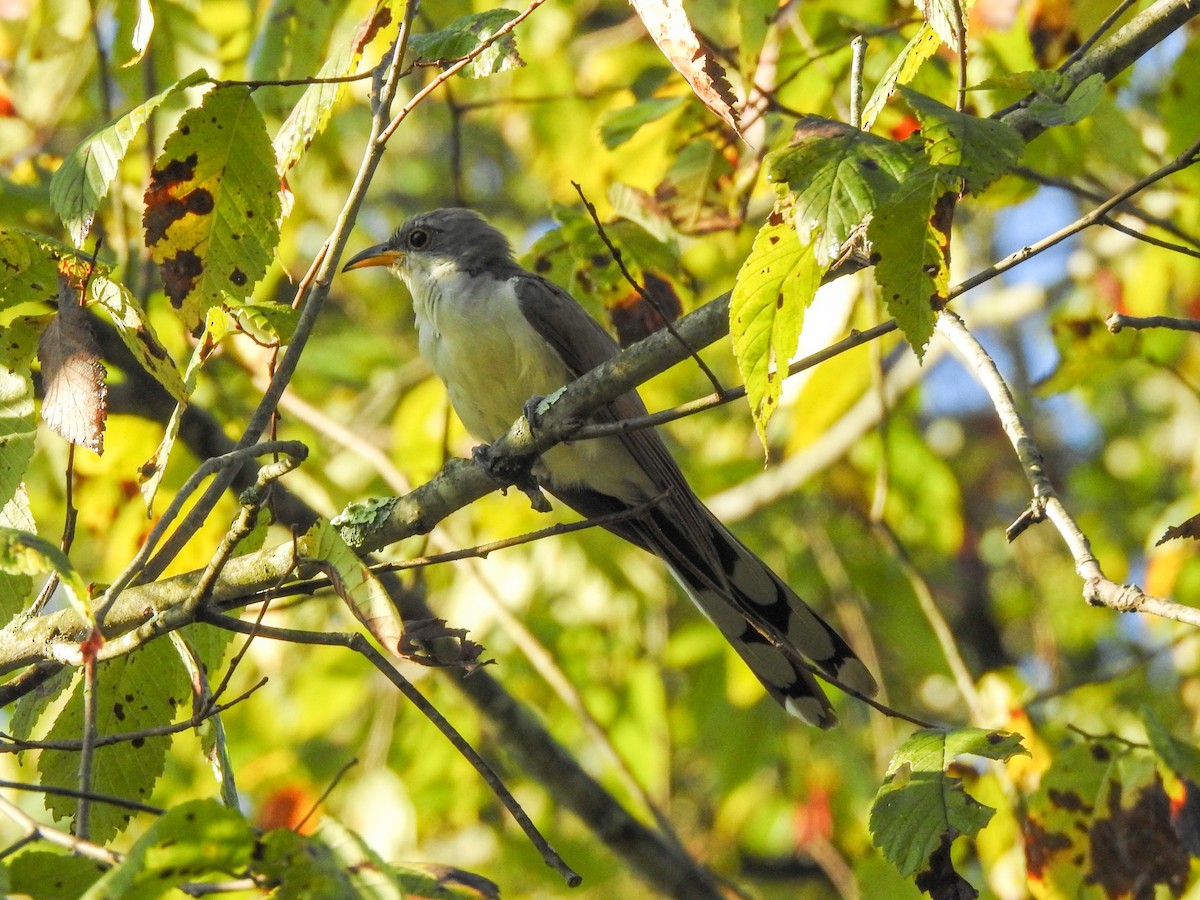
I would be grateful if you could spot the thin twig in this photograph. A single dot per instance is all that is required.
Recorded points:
(362, 646)
(858, 52)
(36, 831)
(942, 631)
(1091, 39)
(1184, 160)
(92, 795)
(214, 465)
(1097, 589)
(1118, 321)
(333, 783)
(667, 320)
(1095, 195)
(1148, 239)
(10, 744)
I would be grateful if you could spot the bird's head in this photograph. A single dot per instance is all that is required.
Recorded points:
(438, 243)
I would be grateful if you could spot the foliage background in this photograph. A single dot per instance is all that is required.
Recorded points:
(581, 622)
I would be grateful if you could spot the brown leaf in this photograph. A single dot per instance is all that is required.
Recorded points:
(1136, 848)
(637, 315)
(430, 642)
(670, 29)
(941, 880)
(74, 403)
(1189, 528)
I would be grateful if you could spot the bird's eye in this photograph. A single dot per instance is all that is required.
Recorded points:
(418, 238)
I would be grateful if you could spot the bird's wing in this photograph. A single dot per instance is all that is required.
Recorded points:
(583, 344)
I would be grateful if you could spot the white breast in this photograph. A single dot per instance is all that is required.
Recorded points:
(479, 343)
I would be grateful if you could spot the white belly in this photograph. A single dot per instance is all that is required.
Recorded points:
(492, 361)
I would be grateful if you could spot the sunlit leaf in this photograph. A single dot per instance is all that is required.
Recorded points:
(923, 45)
(18, 343)
(312, 113)
(980, 150)
(776, 284)
(86, 175)
(668, 25)
(839, 176)
(217, 325)
(920, 804)
(463, 37)
(912, 244)
(212, 206)
(136, 332)
(28, 270)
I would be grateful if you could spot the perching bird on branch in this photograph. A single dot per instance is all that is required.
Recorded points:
(497, 336)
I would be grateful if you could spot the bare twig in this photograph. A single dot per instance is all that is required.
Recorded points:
(36, 831)
(228, 461)
(363, 647)
(668, 322)
(10, 744)
(1118, 321)
(1098, 590)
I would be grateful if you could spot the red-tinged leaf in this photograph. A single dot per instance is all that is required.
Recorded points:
(74, 404)
(670, 29)
(212, 206)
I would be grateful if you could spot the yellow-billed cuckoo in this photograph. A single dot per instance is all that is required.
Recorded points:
(498, 335)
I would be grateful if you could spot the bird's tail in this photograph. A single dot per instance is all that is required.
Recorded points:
(778, 635)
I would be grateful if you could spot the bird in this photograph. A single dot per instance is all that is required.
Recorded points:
(499, 336)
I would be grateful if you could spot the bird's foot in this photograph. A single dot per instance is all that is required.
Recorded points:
(510, 471)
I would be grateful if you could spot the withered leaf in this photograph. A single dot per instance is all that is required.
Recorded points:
(75, 400)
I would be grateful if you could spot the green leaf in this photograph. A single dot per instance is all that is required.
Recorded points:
(85, 176)
(133, 325)
(302, 866)
(212, 206)
(294, 34)
(312, 113)
(696, 193)
(18, 343)
(355, 584)
(919, 805)
(912, 270)
(16, 590)
(903, 69)
(28, 270)
(1181, 757)
(267, 323)
(23, 553)
(52, 876)
(217, 325)
(134, 692)
(839, 176)
(195, 841)
(463, 36)
(774, 287)
(978, 150)
(619, 125)
(1081, 103)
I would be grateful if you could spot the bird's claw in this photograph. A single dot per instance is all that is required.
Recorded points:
(510, 471)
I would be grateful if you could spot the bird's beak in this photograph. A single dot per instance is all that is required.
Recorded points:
(379, 255)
